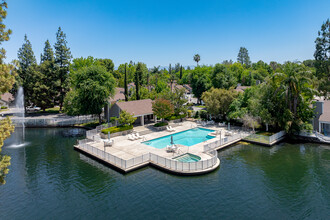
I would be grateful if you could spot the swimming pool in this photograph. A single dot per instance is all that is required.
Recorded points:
(188, 138)
(187, 158)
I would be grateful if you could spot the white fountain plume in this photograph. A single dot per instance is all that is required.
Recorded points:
(19, 105)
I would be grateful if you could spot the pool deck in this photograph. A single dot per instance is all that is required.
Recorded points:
(126, 149)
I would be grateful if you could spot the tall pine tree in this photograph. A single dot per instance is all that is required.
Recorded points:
(27, 65)
(45, 80)
(243, 56)
(322, 58)
(125, 84)
(62, 62)
(138, 79)
(48, 53)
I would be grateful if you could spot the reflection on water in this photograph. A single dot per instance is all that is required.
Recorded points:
(48, 178)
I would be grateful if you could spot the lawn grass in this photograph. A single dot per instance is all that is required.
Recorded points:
(200, 106)
(54, 110)
(92, 124)
(265, 133)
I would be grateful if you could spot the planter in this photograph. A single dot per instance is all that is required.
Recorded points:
(162, 128)
(105, 136)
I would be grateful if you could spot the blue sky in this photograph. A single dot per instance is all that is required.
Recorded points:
(163, 32)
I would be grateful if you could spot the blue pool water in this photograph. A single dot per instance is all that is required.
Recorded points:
(188, 138)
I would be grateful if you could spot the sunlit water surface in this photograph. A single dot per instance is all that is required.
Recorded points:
(50, 180)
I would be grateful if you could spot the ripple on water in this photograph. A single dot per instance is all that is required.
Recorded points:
(49, 178)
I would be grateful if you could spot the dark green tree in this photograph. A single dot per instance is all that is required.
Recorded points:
(138, 79)
(181, 72)
(62, 61)
(44, 85)
(92, 87)
(125, 84)
(107, 63)
(243, 56)
(222, 77)
(322, 58)
(27, 64)
(197, 58)
(172, 77)
(200, 81)
(48, 54)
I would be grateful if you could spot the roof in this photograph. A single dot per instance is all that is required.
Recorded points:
(242, 88)
(7, 97)
(119, 95)
(187, 86)
(326, 112)
(137, 107)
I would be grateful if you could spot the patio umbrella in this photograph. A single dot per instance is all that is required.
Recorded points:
(172, 142)
(109, 135)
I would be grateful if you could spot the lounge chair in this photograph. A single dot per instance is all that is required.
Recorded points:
(130, 137)
(135, 137)
(138, 136)
(108, 143)
(172, 129)
(168, 129)
(171, 148)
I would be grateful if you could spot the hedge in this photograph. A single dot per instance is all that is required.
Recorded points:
(160, 124)
(117, 129)
(174, 117)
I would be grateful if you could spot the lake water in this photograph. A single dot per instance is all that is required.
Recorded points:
(49, 180)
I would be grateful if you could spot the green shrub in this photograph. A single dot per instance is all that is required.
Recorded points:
(196, 114)
(113, 119)
(174, 117)
(117, 129)
(203, 114)
(189, 113)
(160, 124)
(4, 107)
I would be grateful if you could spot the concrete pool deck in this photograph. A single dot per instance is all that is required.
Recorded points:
(127, 151)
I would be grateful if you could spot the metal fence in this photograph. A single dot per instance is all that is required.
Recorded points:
(171, 164)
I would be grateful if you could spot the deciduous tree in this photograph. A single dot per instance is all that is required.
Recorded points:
(162, 108)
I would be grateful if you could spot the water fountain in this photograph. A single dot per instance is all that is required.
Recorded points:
(19, 114)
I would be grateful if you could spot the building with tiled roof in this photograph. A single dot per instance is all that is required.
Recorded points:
(142, 109)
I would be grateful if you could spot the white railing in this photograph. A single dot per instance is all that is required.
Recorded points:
(322, 137)
(171, 164)
(43, 122)
(266, 139)
(276, 136)
(121, 163)
(178, 166)
(218, 143)
(94, 133)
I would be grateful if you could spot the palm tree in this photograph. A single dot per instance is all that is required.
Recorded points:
(295, 89)
(197, 58)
